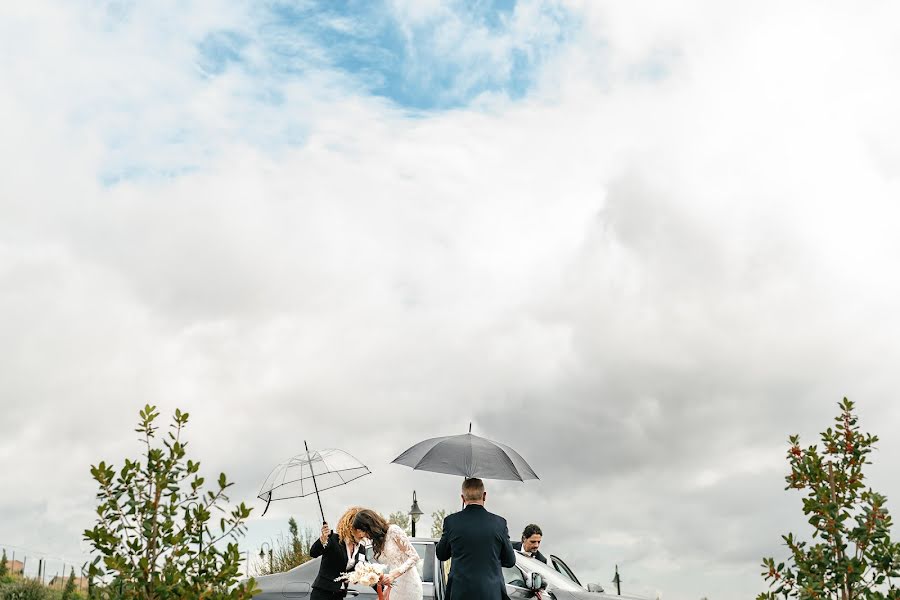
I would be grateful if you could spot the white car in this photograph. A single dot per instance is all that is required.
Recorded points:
(557, 581)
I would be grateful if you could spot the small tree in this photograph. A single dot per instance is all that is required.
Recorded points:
(401, 519)
(296, 544)
(69, 591)
(289, 553)
(301, 542)
(437, 523)
(154, 531)
(854, 557)
(3, 568)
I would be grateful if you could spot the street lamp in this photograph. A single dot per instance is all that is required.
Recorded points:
(414, 513)
(262, 555)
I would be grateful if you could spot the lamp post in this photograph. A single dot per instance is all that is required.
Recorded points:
(262, 554)
(414, 513)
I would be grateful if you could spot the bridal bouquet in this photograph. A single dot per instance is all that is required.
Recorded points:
(365, 573)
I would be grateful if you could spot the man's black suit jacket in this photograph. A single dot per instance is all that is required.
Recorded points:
(334, 562)
(478, 543)
(537, 554)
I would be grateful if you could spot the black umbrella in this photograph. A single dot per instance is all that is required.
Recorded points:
(469, 456)
(310, 473)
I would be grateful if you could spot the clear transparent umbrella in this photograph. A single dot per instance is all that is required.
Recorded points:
(310, 473)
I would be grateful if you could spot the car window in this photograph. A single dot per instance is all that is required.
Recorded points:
(563, 568)
(550, 575)
(425, 565)
(513, 576)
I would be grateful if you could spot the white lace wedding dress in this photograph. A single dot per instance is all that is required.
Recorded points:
(401, 558)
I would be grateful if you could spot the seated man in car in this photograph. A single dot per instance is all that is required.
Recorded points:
(531, 541)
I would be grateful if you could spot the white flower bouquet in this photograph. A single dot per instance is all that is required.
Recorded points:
(365, 573)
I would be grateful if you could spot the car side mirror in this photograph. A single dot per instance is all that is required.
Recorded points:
(595, 587)
(537, 582)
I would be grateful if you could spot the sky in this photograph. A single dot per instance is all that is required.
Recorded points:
(640, 242)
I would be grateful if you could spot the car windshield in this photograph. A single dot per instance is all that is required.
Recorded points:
(551, 576)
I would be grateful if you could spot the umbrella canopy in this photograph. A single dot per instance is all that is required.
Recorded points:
(310, 473)
(469, 456)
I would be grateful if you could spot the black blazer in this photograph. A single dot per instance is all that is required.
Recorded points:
(334, 562)
(537, 553)
(478, 543)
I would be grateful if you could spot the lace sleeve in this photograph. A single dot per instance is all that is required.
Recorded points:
(405, 548)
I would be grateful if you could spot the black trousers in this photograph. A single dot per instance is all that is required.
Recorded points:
(320, 594)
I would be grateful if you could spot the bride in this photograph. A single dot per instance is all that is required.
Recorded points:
(391, 548)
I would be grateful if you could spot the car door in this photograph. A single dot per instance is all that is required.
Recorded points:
(296, 589)
(563, 568)
(428, 570)
(297, 583)
(515, 580)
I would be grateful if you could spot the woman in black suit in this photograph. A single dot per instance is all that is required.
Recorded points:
(340, 553)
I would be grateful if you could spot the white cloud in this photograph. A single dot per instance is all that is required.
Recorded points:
(674, 252)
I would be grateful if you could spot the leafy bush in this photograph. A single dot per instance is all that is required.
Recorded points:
(20, 588)
(24, 589)
(854, 557)
(154, 535)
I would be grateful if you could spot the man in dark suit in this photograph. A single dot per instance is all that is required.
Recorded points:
(335, 561)
(478, 543)
(531, 541)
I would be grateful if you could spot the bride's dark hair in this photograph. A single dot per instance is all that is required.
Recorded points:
(374, 526)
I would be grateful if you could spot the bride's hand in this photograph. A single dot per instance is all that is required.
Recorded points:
(388, 579)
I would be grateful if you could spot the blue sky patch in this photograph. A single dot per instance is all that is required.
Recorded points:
(442, 61)
(421, 62)
(218, 50)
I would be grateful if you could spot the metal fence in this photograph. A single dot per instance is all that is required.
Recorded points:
(53, 570)
(48, 568)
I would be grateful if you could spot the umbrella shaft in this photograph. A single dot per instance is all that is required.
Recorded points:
(315, 485)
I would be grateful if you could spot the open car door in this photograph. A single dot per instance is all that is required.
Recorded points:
(563, 568)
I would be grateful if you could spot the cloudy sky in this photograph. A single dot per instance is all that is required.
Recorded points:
(641, 242)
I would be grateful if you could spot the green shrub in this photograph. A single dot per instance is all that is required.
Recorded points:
(24, 589)
(155, 537)
(850, 555)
